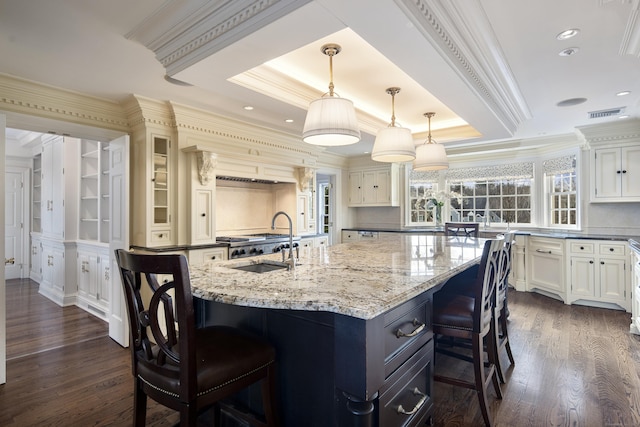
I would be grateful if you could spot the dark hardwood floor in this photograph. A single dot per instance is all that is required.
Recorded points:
(575, 366)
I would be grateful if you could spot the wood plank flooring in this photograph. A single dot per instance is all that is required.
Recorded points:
(575, 366)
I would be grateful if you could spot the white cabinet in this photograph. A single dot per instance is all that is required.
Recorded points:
(35, 267)
(374, 187)
(635, 305)
(545, 267)
(597, 272)
(616, 174)
(53, 284)
(93, 277)
(352, 236)
(52, 186)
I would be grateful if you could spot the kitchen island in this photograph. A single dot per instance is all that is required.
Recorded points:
(351, 324)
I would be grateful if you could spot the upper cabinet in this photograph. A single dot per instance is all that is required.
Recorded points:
(616, 174)
(36, 195)
(374, 186)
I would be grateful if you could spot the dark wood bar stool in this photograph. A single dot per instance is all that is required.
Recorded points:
(501, 311)
(467, 229)
(471, 318)
(185, 368)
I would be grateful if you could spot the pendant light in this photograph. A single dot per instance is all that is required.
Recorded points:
(331, 120)
(393, 143)
(430, 156)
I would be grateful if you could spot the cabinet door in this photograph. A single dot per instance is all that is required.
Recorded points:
(88, 275)
(161, 181)
(546, 272)
(58, 269)
(203, 222)
(630, 175)
(582, 277)
(57, 191)
(303, 213)
(104, 281)
(369, 187)
(612, 280)
(608, 168)
(383, 187)
(355, 188)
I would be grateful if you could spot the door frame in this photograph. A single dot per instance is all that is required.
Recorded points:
(3, 300)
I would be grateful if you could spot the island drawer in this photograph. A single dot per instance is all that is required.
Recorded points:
(581, 248)
(616, 249)
(407, 328)
(405, 398)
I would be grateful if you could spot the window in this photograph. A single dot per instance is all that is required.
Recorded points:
(421, 186)
(562, 190)
(493, 194)
(492, 201)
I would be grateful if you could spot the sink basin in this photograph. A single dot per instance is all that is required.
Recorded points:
(262, 267)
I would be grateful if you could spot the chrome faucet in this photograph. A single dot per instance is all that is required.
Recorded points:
(291, 261)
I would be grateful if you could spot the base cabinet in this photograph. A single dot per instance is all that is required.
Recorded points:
(35, 265)
(545, 269)
(58, 281)
(93, 273)
(635, 290)
(597, 272)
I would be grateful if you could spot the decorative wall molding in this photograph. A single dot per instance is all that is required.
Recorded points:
(631, 40)
(206, 162)
(305, 178)
(619, 131)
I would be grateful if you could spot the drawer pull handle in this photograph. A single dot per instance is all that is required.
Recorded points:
(423, 398)
(416, 331)
(543, 252)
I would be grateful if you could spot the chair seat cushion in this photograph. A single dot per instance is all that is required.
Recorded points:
(453, 311)
(223, 355)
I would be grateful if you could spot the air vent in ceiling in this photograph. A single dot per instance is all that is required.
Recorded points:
(606, 113)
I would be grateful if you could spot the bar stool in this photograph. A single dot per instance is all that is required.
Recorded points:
(472, 318)
(185, 368)
(501, 310)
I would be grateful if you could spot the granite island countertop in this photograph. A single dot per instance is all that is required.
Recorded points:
(361, 279)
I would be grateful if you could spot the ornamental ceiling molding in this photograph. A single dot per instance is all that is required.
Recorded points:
(34, 99)
(180, 38)
(621, 131)
(631, 40)
(460, 31)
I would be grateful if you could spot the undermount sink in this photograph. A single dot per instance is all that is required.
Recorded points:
(262, 267)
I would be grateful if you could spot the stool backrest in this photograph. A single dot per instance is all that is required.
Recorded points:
(486, 284)
(467, 229)
(162, 333)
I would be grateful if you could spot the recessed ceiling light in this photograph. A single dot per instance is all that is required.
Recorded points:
(567, 34)
(569, 51)
(571, 101)
(248, 107)
(623, 93)
(288, 120)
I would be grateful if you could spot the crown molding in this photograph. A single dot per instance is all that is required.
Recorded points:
(462, 34)
(180, 37)
(631, 40)
(35, 99)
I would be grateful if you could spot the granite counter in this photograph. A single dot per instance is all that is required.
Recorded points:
(361, 279)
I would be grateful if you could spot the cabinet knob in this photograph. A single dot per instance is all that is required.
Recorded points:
(582, 248)
(624, 171)
(611, 249)
(213, 257)
(591, 262)
(602, 262)
(618, 171)
(203, 214)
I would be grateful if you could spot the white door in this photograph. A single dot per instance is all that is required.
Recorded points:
(3, 302)
(14, 262)
(118, 235)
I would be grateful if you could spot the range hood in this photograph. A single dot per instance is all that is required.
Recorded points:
(249, 180)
